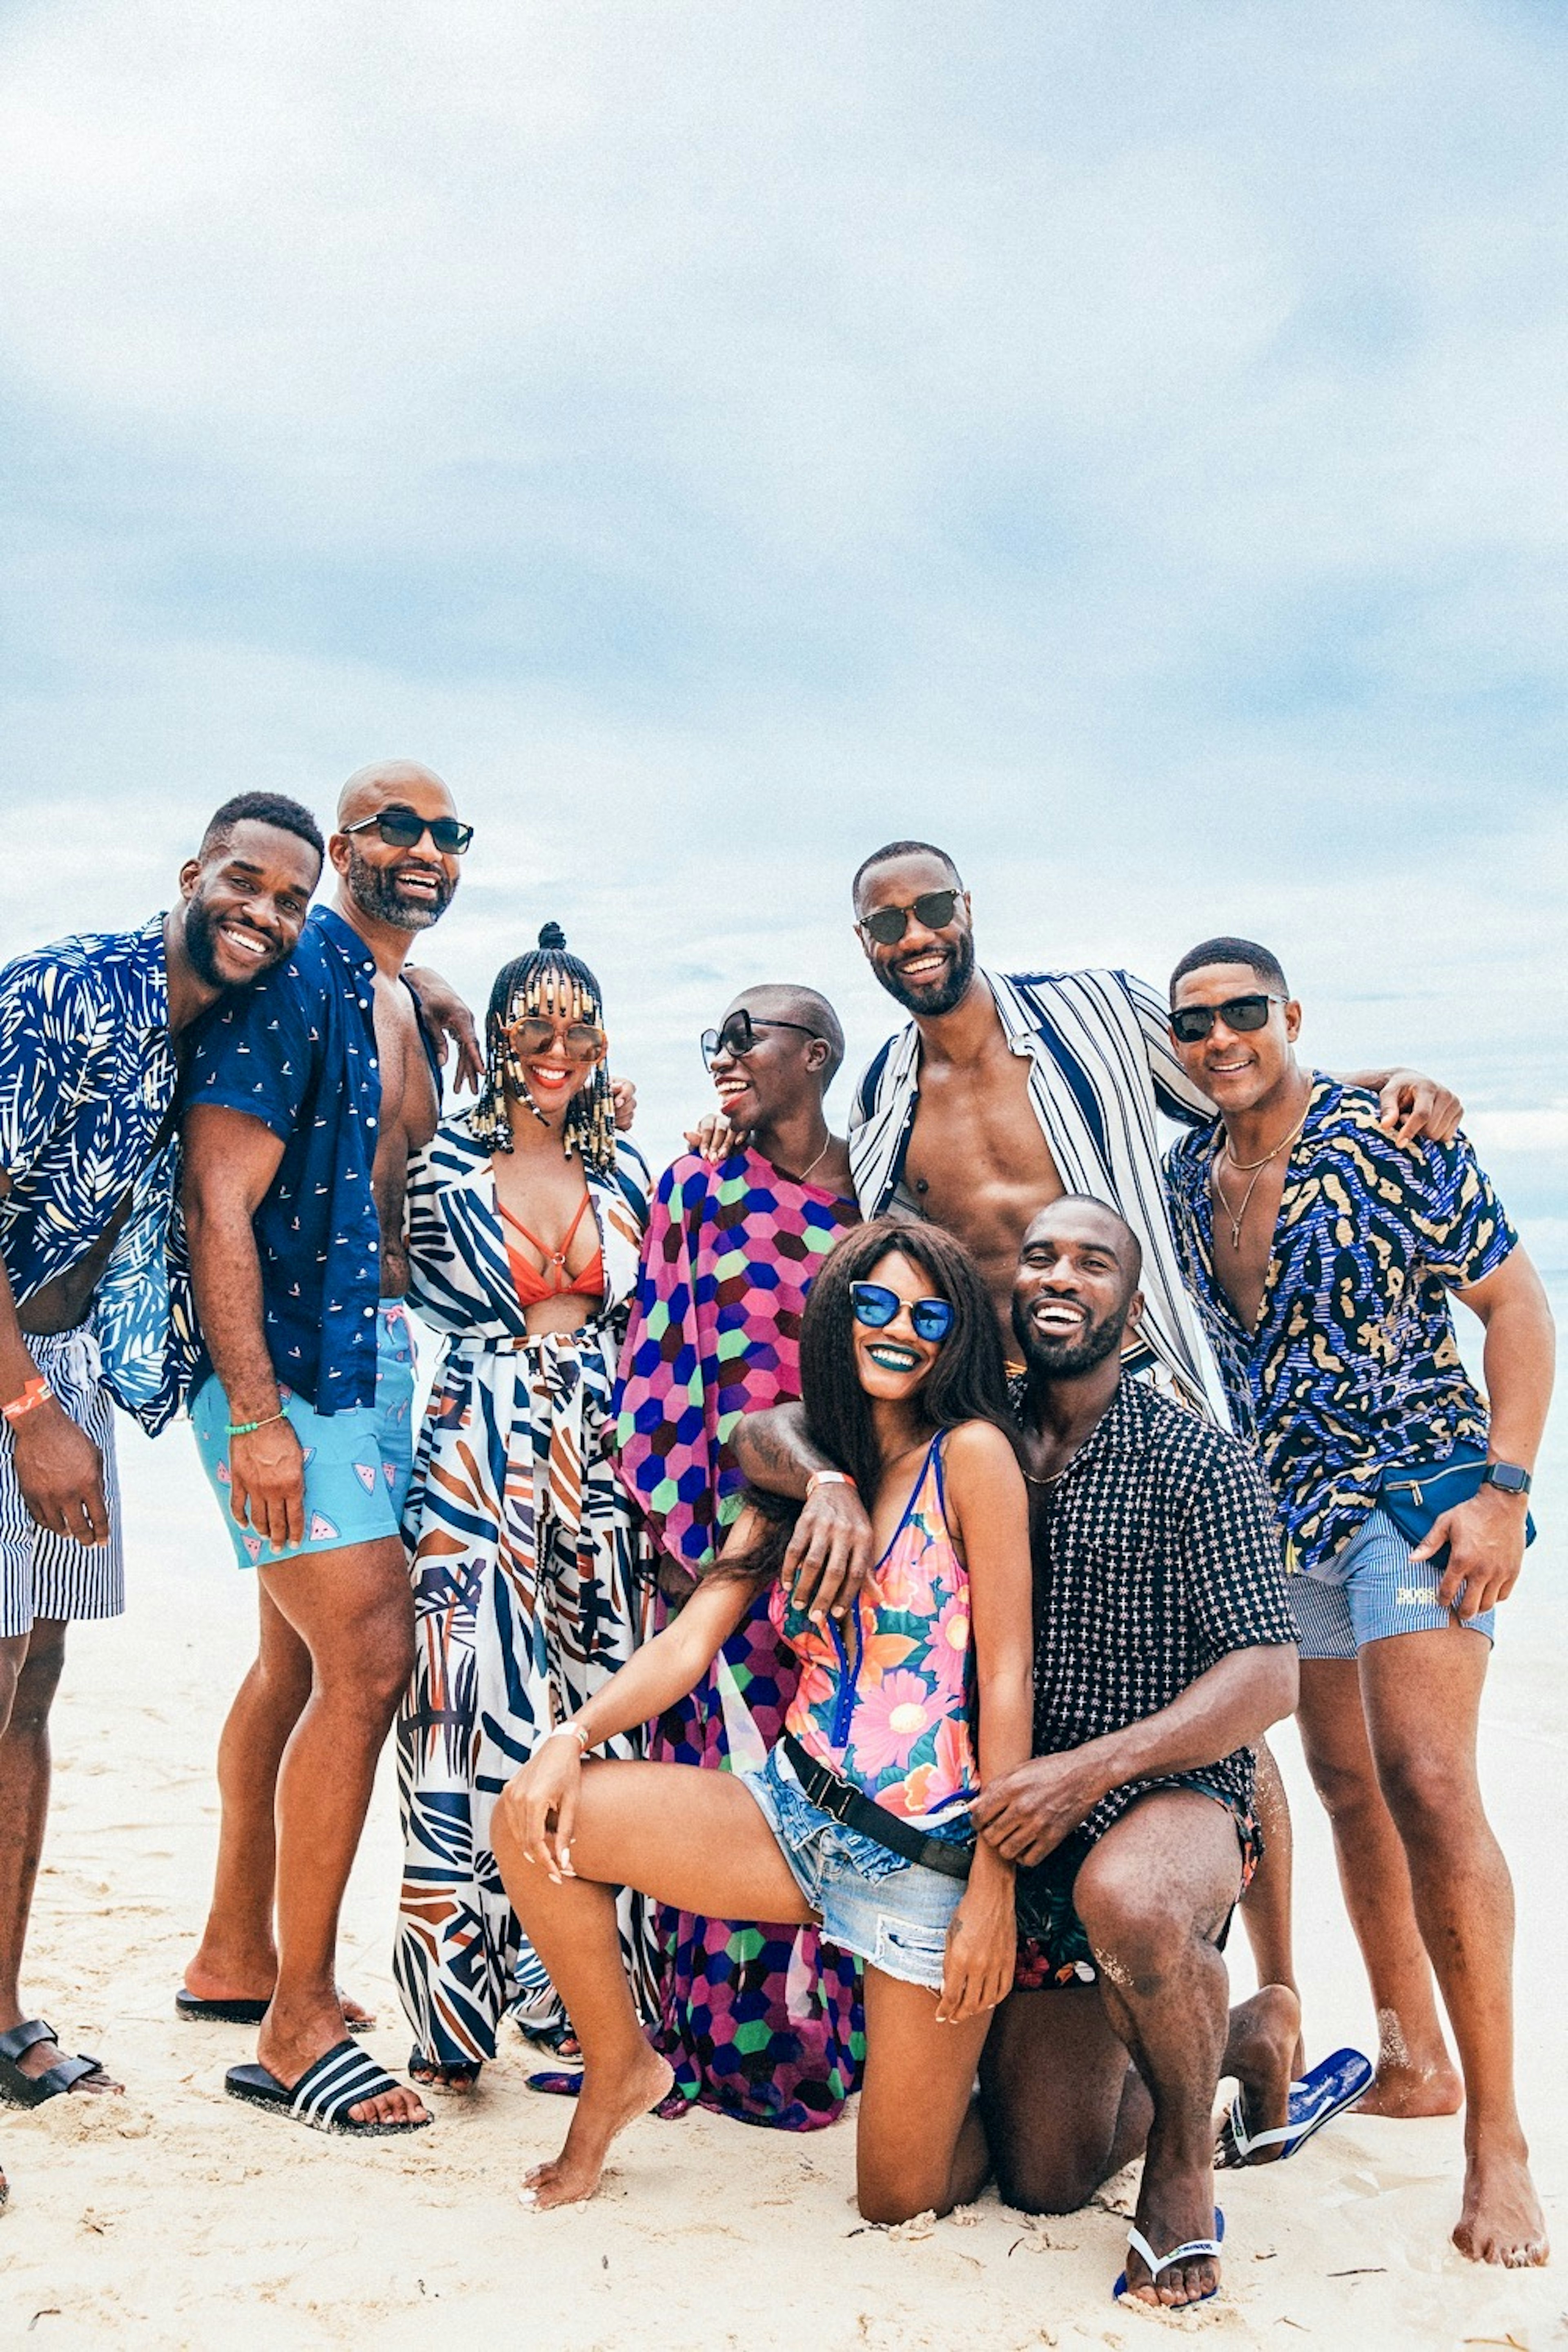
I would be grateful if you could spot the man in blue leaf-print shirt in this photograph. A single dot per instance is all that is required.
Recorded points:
(1324, 1254)
(93, 1302)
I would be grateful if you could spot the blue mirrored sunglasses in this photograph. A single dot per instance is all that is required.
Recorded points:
(875, 1304)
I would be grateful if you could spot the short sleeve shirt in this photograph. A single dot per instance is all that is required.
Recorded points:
(1353, 1369)
(297, 1051)
(1156, 1554)
(86, 1080)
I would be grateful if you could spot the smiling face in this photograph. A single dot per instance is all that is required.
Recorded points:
(1236, 1068)
(927, 970)
(553, 1073)
(1075, 1296)
(245, 902)
(893, 1362)
(782, 1071)
(407, 889)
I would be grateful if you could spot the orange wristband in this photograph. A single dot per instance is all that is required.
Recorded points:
(34, 1392)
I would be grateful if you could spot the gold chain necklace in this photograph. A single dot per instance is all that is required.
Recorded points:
(1236, 1218)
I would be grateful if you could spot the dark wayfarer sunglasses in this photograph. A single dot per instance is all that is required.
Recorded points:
(875, 1305)
(738, 1037)
(933, 908)
(581, 1042)
(1194, 1023)
(402, 828)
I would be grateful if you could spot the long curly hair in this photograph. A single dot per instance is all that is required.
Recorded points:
(522, 987)
(967, 1382)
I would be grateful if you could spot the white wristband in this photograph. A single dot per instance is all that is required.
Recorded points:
(827, 1478)
(576, 1732)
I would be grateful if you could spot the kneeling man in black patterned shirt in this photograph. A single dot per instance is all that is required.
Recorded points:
(1164, 1647)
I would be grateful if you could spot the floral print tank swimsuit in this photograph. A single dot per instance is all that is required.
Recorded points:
(886, 1701)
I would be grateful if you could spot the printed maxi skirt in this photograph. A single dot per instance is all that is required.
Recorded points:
(528, 1592)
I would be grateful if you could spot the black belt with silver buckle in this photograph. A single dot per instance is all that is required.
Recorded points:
(851, 1806)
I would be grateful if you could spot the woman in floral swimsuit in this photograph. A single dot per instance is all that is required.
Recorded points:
(859, 1819)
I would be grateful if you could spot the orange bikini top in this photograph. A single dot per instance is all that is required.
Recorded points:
(534, 1284)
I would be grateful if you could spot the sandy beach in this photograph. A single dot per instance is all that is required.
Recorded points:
(174, 2217)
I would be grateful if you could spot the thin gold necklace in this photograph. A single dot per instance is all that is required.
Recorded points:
(1236, 1218)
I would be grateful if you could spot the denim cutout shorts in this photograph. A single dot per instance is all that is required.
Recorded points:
(871, 1902)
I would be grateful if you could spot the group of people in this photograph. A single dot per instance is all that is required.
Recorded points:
(832, 1602)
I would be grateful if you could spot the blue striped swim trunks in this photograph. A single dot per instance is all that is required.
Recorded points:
(44, 1575)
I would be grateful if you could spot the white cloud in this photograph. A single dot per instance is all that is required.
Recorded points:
(1122, 442)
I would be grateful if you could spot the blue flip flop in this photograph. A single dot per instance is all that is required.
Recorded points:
(1324, 2091)
(1155, 2263)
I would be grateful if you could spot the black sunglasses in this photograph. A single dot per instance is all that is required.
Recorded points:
(738, 1037)
(876, 1305)
(401, 828)
(933, 908)
(1194, 1023)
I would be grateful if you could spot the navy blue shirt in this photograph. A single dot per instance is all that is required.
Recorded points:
(297, 1051)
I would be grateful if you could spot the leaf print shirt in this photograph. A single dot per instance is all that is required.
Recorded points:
(886, 1702)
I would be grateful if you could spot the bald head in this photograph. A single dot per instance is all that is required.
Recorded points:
(783, 1000)
(405, 781)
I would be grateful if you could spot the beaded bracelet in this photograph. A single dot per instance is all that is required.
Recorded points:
(34, 1392)
(249, 1428)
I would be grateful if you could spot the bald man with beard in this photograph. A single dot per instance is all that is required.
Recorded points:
(302, 1106)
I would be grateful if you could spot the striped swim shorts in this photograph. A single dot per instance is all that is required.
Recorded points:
(44, 1575)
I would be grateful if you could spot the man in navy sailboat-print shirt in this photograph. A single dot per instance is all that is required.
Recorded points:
(301, 1110)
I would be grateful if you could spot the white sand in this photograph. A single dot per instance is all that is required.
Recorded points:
(174, 2217)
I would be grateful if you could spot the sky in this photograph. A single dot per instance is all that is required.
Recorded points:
(1122, 443)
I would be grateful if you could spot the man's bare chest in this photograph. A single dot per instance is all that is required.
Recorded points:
(977, 1141)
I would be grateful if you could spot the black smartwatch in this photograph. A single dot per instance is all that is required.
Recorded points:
(1507, 1475)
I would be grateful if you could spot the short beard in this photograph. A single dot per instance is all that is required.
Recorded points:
(201, 946)
(941, 996)
(1051, 1363)
(376, 892)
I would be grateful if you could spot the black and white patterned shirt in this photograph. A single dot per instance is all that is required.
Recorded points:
(1156, 1554)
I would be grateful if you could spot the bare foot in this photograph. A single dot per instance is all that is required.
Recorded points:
(1174, 2211)
(1261, 2051)
(604, 2106)
(1410, 2082)
(286, 2048)
(1502, 2220)
(1403, 2093)
(45, 2055)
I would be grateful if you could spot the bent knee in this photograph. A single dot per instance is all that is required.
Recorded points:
(1062, 2182)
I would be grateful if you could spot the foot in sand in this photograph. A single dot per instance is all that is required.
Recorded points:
(38, 2060)
(604, 2106)
(1403, 2093)
(255, 1983)
(1262, 2052)
(288, 2045)
(1176, 2210)
(1502, 2220)
(1412, 2083)
(455, 2076)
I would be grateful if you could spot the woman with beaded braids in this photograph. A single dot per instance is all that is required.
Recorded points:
(525, 1218)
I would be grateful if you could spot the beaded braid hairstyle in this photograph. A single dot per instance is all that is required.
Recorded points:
(523, 987)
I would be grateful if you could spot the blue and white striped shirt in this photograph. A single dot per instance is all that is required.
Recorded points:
(1103, 1068)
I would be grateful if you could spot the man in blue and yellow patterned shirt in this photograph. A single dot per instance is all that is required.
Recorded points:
(94, 1301)
(1324, 1253)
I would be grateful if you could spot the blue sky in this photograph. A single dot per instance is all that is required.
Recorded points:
(1124, 442)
